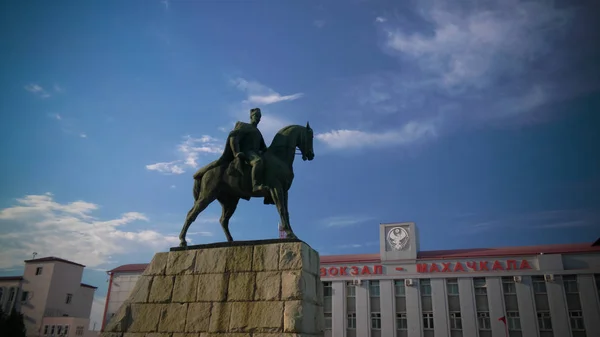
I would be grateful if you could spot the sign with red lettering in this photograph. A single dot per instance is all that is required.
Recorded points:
(351, 270)
(456, 267)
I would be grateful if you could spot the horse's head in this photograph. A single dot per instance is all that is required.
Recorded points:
(305, 143)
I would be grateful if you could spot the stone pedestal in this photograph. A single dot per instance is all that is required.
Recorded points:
(263, 288)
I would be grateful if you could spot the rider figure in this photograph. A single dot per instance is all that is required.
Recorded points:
(247, 143)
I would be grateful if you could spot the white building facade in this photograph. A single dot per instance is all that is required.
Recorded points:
(538, 291)
(50, 296)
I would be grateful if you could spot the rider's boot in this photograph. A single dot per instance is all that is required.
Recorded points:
(257, 184)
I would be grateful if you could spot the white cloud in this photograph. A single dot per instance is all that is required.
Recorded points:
(37, 90)
(380, 19)
(410, 133)
(260, 94)
(319, 23)
(38, 222)
(344, 221)
(189, 150)
(476, 46)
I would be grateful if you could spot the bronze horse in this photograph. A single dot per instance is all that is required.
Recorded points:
(230, 182)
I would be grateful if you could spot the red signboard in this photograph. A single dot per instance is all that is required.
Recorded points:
(472, 266)
(433, 267)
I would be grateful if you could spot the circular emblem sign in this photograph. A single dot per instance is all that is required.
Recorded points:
(398, 238)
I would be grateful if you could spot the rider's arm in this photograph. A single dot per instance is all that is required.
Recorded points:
(234, 142)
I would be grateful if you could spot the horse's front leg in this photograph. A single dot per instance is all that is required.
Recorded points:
(281, 201)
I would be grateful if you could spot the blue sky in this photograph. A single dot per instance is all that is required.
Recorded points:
(478, 122)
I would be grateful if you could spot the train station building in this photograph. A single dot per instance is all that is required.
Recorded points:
(533, 291)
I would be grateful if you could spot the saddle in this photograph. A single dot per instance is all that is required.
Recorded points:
(240, 174)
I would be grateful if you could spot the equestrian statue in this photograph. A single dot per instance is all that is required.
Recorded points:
(249, 169)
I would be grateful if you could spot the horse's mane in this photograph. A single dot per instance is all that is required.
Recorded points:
(283, 133)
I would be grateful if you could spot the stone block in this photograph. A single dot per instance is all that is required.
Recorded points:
(187, 334)
(220, 316)
(298, 285)
(266, 316)
(299, 317)
(239, 259)
(181, 262)
(146, 317)
(266, 257)
(198, 317)
(111, 334)
(185, 287)
(134, 334)
(162, 289)
(210, 261)
(141, 290)
(238, 322)
(158, 265)
(158, 334)
(172, 318)
(212, 287)
(294, 256)
(268, 286)
(241, 287)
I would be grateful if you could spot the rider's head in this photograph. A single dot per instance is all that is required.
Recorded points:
(255, 116)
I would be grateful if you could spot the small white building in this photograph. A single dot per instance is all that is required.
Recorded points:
(51, 298)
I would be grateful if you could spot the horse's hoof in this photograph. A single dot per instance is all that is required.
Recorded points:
(183, 244)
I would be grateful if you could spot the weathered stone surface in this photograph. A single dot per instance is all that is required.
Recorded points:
(141, 291)
(158, 265)
(158, 334)
(172, 318)
(185, 288)
(298, 285)
(134, 334)
(314, 263)
(268, 286)
(241, 287)
(198, 317)
(187, 334)
(220, 316)
(181, 263)
(238, 322)
(299, 317)
(145, 317)
(212, 287)
(290, 256)
(240, 259)
(111, 334)
(211, 260)
(161, 290)
(227, 334)
(266, 316)
(266, 257)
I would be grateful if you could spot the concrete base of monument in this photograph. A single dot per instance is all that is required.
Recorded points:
(261, 288)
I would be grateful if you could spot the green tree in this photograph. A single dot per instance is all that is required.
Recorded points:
(12, 325)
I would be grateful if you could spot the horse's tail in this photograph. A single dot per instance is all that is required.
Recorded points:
(197, 188)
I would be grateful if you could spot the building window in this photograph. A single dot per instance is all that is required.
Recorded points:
(452, 286)
(52, 330)
(428, 320)
(539, 285)
(59, 330)
(455, 321)
(508, 285)
(79, 331)
(544, 321)
(399, 288)
(513, 321)
(570, 284)
(66, 330)
(327, 320)
(351, 320)
(425, 286)
(576, 318)
(374, 288)
(45, 330)
(480, 286)
(327, 289)
(376, 320)
(350, 289)
(24, 296)
(69, 298)
(11, 295)
(38, 270)
(483, 320)
(401, 323)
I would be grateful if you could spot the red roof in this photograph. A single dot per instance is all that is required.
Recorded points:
(53, 259)
(88, 286)
(11, 278)
(436, 254)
